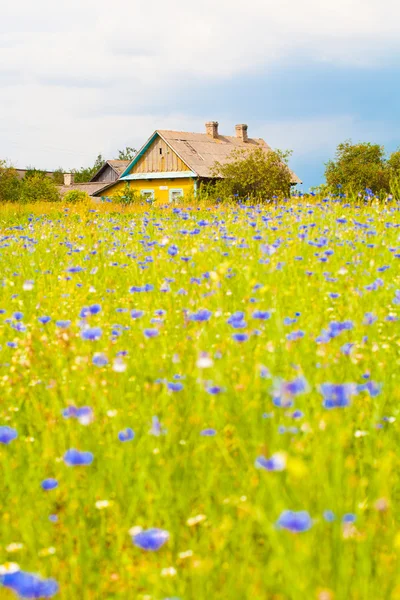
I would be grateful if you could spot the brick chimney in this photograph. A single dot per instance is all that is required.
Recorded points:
(212, 129)
(241, 132)
(69, 179)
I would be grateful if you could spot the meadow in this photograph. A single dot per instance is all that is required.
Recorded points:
(200, 403)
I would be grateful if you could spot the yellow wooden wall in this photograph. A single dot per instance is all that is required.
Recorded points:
(155, 162)
(162, 195)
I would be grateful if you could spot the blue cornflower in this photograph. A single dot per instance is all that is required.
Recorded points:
(173, 250)
(150, 539)
(284, 391)
(337, 395)
(156, 427)
(277, 462)
(94, 309)
(214, 389)
(45, 319)
(7, 434)
(261, 314)
(18, 316)
(347, 348)
(201, 315)
(27, 585)
(371, 387)
(208, 432)
(349, 518)
(151, 333)
(136, 314)
(63, 324)
(74, 269)
(99, 359)
(175, 387)
(74, 458)
(240, 337)
(126, 435)
(91, 333)
(329, 516)
(296, 522)
(49, 484)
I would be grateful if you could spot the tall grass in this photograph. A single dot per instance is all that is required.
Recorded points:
(309, 265)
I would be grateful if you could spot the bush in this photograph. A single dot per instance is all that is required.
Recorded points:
(253, 174)
(39, 188)
(357, 167)
(127, 196)
(10, 185)
(75, 196)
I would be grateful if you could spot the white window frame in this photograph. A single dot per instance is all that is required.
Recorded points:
(146, 192)
(172, 190)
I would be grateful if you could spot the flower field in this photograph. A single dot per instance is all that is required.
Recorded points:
(200, 404)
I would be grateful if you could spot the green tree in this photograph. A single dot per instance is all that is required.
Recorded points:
(254, 174)
(39, 188)
(394, 164)
(10, 185)
(76, 196)
(357, 167)
(86, 173)
(127, 154)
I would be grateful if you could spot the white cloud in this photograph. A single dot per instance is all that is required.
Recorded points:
(82, 76)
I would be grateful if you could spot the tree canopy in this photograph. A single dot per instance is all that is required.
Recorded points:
(254, 174)
(357, 167)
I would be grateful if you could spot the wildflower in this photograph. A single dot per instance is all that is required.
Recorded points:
(136, 314)
(18, 316)
(349, 518)
(240, 337)
(175, 387)
(100, 359)
(151, 539)
(119, 366)
(27, 286)
(44, 319)
(196, 520)
(100, 504)
(201, 315)
(27, 585)
(74, 458)
(63, 324)
(91, 333)
(156, 427)
(284, 391)
(277, 462)
(296, 522)
(347, 348)
(263, 315)
(49, 484)
(208, 432)
(329, 516)
(7, 434)
(126, 435)
(204, 361)
(337, 395)
(151, 333)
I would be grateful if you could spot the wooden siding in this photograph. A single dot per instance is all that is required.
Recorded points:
(154, 161)
(107, 175)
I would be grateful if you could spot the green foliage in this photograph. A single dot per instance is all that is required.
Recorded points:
(127, 196)
(38, 188)
(9, 183)
(127, 154)
(85, 174)
(253, 174)
(58, 176)
(75, 196)
(357, 167)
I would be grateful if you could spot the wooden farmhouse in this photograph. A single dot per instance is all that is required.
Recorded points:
(172, 163)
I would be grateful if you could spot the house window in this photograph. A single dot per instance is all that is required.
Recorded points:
(147, 195)
(175, 194)
(160, 150)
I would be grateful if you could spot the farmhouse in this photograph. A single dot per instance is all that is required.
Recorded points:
(172, 163)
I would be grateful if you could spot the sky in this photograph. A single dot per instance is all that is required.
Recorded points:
(84, 77)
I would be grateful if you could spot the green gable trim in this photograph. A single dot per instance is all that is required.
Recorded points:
(139, 155)
(158, 175)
